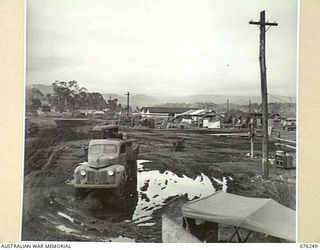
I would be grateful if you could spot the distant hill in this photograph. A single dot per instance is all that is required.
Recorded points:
(135, 100)
(151, 100)
(44, 89)
(219, 99)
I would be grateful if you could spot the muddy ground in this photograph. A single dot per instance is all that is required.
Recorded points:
(166, 180)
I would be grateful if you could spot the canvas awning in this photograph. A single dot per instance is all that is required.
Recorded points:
(261, 215)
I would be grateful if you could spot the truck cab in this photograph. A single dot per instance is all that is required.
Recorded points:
(111, 163)
(106, 166)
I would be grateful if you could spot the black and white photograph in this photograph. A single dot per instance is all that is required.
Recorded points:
(150, 121)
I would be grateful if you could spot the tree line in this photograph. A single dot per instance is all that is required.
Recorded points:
(66, 96)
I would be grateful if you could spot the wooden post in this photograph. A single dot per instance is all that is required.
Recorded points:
(128, 107)
(252, 125)
(252, 148)
(264, 93)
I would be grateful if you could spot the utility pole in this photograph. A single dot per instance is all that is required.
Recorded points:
(227, 105)
(264, 93)
(250, 111)
(128, 107)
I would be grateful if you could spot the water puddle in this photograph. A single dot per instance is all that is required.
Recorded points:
(66, 216)
(153, 191)
(120, 239)
(72, 232)
(154, 188)
(222, 182)
(67, 229)
(77, 233)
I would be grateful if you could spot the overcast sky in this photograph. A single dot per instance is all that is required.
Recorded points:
(175, 47)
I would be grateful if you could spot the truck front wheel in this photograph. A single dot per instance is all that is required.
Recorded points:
(80, 193)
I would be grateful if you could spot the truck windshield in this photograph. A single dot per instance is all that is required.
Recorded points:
(103, 149)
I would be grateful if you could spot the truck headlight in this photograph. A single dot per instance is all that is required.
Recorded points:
(83, 173)
(110, 172)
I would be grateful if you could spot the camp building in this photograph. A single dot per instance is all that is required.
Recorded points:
(161, 112)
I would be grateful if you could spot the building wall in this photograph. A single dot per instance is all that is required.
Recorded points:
(154, 115)
(211, 124)
(185, 120)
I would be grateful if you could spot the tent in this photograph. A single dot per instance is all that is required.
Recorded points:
(256, 214)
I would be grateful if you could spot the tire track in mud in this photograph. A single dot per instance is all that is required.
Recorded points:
(51, 212)
(44, 187)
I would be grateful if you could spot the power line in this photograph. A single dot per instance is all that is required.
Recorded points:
(281, 98)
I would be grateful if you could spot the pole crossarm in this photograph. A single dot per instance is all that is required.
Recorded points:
(263, 23)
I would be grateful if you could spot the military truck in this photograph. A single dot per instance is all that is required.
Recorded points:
(111, 163)
(106, 131)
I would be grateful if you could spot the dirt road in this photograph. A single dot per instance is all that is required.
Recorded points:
(166, 179)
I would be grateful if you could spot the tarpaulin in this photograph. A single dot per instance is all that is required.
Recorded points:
(258, 214)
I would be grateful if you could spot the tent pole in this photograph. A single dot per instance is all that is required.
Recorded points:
(232, 236)
(236, 233)
(239, 238)
(245, 240)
